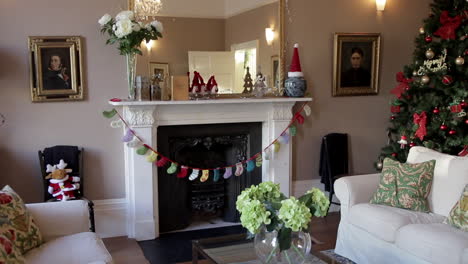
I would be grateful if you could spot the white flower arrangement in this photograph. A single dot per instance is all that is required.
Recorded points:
(128, 32)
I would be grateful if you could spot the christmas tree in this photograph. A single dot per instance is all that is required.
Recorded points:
(432, 95)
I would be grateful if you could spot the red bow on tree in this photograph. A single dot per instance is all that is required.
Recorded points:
(420, 120)
(300, 119)
(449, 26)
(404, 84)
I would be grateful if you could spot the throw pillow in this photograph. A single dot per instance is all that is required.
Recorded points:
(386, 193)
(16, 223)
(9, 254)
(458, 217)
(414, 183)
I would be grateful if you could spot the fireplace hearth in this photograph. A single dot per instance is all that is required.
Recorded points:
(205, 146)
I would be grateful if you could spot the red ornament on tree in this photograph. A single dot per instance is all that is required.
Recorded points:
(447, 79)
(436, 111)
(428, 39)
(394, 155)
(466, 121)
(412, 144)
(393, 117)
(463, 104)
(443, 127)
(452, 132)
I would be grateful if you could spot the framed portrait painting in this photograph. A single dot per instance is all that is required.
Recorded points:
(56, 68)
(356, 64)
(158, 70)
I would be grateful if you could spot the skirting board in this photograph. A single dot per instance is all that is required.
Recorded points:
(111, 215)
(301, 187)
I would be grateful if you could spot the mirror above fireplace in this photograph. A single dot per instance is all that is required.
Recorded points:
(220, 38)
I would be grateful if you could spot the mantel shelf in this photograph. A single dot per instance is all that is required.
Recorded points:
(214, 101)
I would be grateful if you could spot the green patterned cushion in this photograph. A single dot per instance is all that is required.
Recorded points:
(405, 185)
(9, 254)
(458, 217)
(414, 185)
(16, 223)
(386, 193)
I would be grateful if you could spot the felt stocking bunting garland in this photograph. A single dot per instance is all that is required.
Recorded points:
(277, 146)
(172, 169)
(194, 174)
(134, 143)
(142, 150)
(116, 123)
(250, 165)
(307, 110)
(109, 114)
(258, 160)
(228, 173)
(183, 172)
(299, 118)
(293, 130)
(267, 154)
(239, 169)
(216, 175)
(284, 138)
(128, 136)
(162, 162)
(152, 157)
(205, 175)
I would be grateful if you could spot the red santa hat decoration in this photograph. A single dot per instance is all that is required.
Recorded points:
(295, 68)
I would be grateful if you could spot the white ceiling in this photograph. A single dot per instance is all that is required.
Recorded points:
(209, 8)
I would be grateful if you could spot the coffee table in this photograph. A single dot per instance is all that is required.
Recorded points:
(237, 249)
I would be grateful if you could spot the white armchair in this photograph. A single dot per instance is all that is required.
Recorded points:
(65, 229)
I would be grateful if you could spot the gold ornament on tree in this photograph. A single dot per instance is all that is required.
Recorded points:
(421, 30)
(425, 79)
(460, 60)
(430, 54)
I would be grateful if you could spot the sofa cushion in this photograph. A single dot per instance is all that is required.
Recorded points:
(450, 177)
(435, 243)
(384, 221)
(81, 248)
(16, 222)
(386, 193)
(9, 253)
(459, 215)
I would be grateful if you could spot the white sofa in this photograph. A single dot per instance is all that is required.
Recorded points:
(65, 230)
(370, 233)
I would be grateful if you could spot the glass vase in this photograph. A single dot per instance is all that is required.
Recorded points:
(267, 248)
(131, 72)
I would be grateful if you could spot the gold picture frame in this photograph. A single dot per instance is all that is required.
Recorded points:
(56, 71)
(156, 68)
(356, 64)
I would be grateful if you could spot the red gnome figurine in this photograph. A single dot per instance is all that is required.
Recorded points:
(61, 185)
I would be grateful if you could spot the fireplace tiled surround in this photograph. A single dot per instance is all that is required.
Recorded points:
(145, 117)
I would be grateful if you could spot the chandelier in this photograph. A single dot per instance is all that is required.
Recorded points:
(147, 8)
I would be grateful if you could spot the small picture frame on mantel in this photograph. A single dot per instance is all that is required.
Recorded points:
(356, 64)
(56, 71)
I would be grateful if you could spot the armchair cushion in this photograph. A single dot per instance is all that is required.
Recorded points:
(16, 223)
(384, 221)
(459, 215)
(8, 252)
(435, 243)
(79, 248)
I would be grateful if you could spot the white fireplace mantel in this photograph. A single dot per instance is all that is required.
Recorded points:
(141, 185)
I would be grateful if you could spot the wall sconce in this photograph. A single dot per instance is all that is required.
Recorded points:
(380, 4)
(149, 45)
(269, 35)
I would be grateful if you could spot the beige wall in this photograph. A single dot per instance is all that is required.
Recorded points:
(31, 127)
(250, 26)
(180, 36)
(364, 118)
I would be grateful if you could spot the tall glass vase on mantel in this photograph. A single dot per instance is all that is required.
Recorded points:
(131, 73)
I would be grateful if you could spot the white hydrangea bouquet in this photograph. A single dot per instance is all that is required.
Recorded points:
(264, 205)
(129, 33)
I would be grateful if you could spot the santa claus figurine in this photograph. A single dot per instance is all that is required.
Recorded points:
(62, 186)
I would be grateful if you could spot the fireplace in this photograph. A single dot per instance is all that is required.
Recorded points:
(205, 146)
(148, 118)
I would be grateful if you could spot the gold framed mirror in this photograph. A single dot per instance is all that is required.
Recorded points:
(221, 40)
